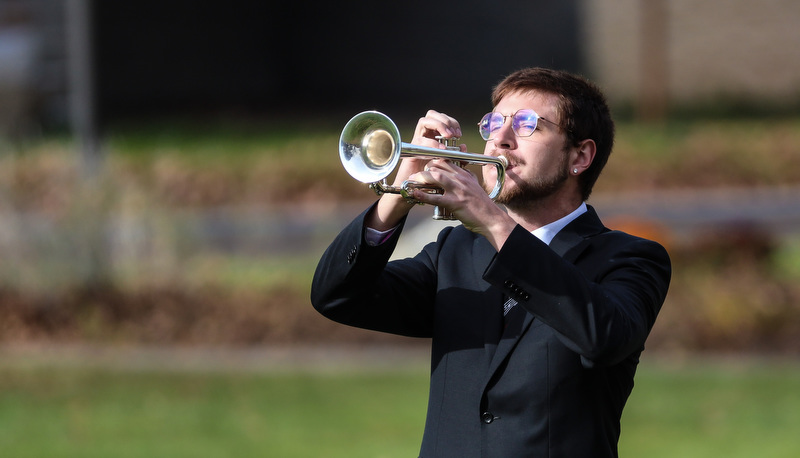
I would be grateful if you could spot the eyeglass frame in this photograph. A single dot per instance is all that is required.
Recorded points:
(512, 115)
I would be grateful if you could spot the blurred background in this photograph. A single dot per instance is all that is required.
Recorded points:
(169, 178)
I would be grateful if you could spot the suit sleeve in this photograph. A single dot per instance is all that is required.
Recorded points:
(355, 284)
(603, 306)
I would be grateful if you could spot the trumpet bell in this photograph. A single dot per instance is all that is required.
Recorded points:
(370, 146)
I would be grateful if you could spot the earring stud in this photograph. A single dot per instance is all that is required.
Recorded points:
(575, 171)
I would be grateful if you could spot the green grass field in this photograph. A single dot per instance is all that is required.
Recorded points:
(687, 410)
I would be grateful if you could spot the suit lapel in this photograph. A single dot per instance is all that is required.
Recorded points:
(569, 243)
(483, 252)
(518, 323)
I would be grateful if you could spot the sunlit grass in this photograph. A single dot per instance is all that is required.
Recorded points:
(94, 413)
(251, 272)
(731, 410)
(688, 410)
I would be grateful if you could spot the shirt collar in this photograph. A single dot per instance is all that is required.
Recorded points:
(548, 231)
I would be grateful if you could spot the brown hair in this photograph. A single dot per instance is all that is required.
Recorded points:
(582, 111)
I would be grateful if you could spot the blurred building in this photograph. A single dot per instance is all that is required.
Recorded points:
(155, 58)
(32, 64)
(700, 52)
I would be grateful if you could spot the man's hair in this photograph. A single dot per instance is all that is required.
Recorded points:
(582, 111)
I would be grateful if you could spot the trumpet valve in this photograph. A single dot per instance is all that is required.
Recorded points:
(450, 142)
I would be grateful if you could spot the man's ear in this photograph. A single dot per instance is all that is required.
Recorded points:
(582, 156)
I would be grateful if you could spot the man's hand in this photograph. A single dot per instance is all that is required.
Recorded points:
(466, 198)
(392, 208)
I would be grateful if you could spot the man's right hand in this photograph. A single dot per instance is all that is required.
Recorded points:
(392, 208)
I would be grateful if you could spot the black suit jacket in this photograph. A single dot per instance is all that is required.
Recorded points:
(551, 383)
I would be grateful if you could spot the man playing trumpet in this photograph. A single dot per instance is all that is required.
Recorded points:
(537, 313)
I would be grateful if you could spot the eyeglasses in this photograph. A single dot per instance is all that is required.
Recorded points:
(523, 123)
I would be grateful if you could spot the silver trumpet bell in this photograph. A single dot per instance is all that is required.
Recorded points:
(370, 149)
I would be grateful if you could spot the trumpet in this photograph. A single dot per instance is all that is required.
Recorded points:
(370, 149)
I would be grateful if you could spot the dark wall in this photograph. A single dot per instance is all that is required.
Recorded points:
(201, 57)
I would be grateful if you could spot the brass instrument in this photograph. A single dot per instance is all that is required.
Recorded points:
(370, 149)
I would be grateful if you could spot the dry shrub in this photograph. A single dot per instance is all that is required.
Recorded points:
(726, 296)
(704, 155)
(725, 293)
(171, 316)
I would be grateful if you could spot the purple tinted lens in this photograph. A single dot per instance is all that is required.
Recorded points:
(524, 122)
(489, 124)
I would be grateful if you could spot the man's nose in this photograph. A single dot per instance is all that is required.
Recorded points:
(505, 136)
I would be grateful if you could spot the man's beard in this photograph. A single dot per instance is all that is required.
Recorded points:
(526, 193)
